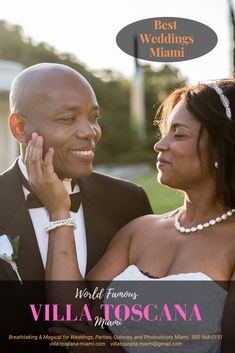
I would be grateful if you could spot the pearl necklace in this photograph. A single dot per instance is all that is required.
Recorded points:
(207, 224)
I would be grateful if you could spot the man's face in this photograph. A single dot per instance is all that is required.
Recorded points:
(65, 112)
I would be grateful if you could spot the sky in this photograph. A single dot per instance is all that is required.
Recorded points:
(88, 30)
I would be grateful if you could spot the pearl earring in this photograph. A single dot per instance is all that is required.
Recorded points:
(216, 165)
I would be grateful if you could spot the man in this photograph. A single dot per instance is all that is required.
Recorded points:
(57, 103)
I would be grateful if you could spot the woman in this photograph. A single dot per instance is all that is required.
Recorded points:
(196, 154)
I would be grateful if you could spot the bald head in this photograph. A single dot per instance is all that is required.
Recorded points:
(35, 84)
(59, 104)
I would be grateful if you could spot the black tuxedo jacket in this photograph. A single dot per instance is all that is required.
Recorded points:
(108, 204)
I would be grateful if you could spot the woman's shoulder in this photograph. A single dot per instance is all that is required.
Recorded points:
(153, 218)
(146, 223)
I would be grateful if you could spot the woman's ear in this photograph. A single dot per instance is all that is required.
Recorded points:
(17, 125)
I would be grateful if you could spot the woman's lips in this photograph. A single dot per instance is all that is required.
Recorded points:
(161, 163)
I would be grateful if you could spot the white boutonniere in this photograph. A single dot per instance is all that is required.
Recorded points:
(9, 252)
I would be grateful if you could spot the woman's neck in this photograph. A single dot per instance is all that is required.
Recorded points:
(200, 207)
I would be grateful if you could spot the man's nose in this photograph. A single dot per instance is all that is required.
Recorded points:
(85, 129)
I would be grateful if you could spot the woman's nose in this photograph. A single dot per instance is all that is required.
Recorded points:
(161, 145)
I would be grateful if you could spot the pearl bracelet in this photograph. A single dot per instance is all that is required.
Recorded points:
(68, 222)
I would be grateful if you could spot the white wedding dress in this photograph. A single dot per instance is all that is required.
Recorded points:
(145, 336)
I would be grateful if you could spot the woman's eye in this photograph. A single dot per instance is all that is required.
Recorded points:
(178, 135)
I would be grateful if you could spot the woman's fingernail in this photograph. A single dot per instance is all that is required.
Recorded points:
(34, 135)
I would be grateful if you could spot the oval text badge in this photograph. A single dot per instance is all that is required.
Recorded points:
(166, 39)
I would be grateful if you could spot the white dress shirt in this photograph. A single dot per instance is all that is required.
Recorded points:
(40, 220)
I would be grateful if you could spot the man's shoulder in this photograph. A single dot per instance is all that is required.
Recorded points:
(120, 199)
(112, 182)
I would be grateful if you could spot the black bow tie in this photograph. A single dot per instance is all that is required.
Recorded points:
(33, 201)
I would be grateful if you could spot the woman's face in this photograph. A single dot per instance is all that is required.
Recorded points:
(178, 162)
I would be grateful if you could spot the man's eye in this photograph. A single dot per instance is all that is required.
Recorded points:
(67, 118)
(95, 118)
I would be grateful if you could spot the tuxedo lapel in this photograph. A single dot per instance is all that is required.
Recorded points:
(29, 259)
(15, 221)
(99, 228)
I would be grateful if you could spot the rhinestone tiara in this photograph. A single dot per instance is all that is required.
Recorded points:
(224, 100)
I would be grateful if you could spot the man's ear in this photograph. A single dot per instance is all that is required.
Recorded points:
(17, 125)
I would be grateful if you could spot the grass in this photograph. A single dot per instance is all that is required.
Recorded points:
(162, 198)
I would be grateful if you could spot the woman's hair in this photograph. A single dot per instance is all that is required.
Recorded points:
(205, 103)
